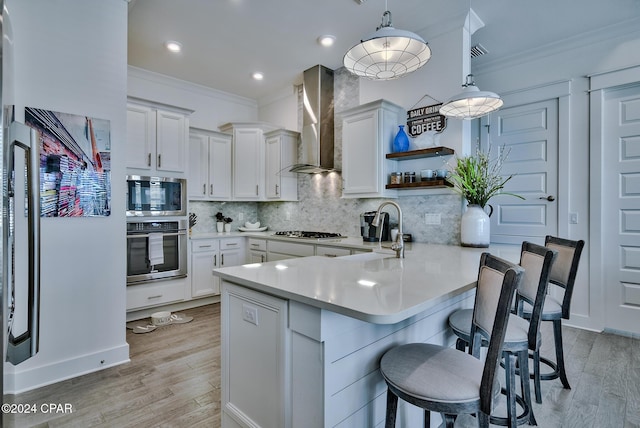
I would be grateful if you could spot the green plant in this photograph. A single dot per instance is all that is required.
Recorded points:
(477, 178)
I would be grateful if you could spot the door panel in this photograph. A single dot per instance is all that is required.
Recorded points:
(621, 208)
(528, 135)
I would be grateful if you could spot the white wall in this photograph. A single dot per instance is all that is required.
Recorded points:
(606, 50)
(70, 56)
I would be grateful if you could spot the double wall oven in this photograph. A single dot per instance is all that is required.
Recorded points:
(156, 229)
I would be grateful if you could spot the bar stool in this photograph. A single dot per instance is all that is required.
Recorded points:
(563, 274)
(521, 336)
(445, 380)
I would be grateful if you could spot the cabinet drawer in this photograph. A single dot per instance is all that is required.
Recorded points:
(332, 251)
(145, 295)
(202, 245)
(231, 243)
(257, 244)
(291, 248)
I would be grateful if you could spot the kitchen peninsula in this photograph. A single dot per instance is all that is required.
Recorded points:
(302, 338)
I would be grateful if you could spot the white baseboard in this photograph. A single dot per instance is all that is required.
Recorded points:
(19, 381)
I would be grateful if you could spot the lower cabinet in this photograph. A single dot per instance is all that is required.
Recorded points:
(281, 250)
(209, 254)
(145, 295)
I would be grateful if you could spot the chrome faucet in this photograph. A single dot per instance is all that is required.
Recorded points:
(398, 245)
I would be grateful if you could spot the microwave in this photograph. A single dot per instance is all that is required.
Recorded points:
(156, 196)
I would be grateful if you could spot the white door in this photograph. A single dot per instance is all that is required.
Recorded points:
(621, 208)
(528, 134)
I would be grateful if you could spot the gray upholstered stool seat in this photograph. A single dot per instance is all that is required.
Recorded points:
(449, 376)
(551, 309)
(517, 328)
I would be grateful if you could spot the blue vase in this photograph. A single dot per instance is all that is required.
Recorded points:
(401, 142)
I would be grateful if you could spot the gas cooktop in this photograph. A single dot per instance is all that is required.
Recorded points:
(318, 236)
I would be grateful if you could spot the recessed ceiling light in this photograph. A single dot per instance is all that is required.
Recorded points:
(258, 75)
(173, 46)
(327, 40)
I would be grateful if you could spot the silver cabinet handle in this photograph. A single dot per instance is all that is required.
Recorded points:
(204, 246)
(211, 189)
(257, 189)
(149, 160)
(215, 260)
(276, 189)
(204, 189)
(231, 244)
(159, 160)
(255, 245)
(154, 297)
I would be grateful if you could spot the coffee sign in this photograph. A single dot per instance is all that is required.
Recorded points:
(424, 119)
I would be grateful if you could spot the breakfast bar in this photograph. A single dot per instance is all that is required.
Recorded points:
(302, 338)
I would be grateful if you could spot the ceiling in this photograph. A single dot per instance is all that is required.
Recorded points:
(225, 41)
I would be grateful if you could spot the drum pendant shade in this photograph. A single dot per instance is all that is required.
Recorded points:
(388, 53)
(471, 103)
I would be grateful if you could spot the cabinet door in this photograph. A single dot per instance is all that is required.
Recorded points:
(141, 136)
(257, 256)
(171, 132)
(220, 167)
(231, 258)
(198, 180)
(272, 183)
(203, 282)
(360, 153)
(248, 171)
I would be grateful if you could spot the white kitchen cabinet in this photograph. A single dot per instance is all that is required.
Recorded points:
(209, 254)
(204, 258)
(367, 136)
(209, 166)
(156, 139)
(281, 153)
(281, 250)
(328, 251)
(151, 294)
(257, 250)
(248, 164)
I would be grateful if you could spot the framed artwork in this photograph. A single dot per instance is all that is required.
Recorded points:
(75, 163)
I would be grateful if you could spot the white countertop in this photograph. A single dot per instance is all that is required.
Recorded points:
(374, 287)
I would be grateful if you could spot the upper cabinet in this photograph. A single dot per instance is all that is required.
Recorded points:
(250, 163)
(156, 139)
(209, 172)
(367, 136)
(281, 148)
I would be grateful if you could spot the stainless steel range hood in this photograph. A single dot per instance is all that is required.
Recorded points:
(317, 122)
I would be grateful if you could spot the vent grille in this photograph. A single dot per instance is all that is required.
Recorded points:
(478, 50)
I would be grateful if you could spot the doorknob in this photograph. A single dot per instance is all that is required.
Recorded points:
(549, 198)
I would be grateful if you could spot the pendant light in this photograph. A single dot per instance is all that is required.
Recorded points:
(388, 53)
(471, 103)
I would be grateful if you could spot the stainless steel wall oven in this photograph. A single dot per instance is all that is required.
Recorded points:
(156, 249)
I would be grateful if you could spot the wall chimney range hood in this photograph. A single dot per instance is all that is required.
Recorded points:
(316, 153)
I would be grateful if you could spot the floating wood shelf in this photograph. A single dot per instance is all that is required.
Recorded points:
(420, 184)
(422, 153)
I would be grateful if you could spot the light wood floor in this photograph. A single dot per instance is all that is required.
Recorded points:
(173, 380)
